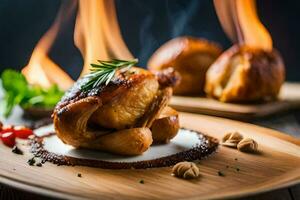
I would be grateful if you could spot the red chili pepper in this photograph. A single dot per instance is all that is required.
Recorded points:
(22, 132)
(6, 128)
(9, 139)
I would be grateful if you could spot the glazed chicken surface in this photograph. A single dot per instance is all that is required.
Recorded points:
(118, 117)
(245, 74)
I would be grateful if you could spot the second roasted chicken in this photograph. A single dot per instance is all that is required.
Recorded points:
(118, 114)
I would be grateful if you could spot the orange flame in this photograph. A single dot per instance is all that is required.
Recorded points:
(240, 22)
(97, 33)
(41, 70)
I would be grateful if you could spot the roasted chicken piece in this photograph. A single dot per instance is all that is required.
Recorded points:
(127, 108)
(166, 126)
(191, 57)
(244, 74)
(118, 117)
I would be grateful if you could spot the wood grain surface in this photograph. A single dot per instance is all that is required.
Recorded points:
(276, 166)
(289, 98)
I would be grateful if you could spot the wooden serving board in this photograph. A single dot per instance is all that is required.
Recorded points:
(276, 166)
(289, 98)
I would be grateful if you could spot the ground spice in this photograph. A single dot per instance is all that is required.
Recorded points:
(31, 161)
(220, 173)
(39, 164)
(16, 150)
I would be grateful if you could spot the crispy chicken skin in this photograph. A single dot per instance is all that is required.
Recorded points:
(191, 57)
(244, 74)
(166, 126)
(124, 142)
(116, 118)
(124, 110)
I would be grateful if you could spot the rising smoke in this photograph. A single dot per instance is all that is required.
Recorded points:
(178, 15)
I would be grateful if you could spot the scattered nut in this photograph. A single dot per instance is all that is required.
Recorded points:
(186, 170)
(232, 139)
(247, 145)
(1, 125)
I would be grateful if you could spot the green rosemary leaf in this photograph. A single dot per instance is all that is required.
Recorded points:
(104, 71)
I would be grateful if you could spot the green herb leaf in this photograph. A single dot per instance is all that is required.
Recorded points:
(17, 91)
(104, 72)
(15, 86)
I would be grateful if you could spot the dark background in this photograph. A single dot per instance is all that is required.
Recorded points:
(145, 24)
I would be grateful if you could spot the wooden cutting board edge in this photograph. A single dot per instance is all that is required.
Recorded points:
(18, 184)
(290, 99)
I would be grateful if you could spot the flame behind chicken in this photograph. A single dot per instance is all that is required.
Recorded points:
(116, 117)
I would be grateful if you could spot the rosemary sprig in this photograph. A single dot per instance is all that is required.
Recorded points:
(103, 72)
